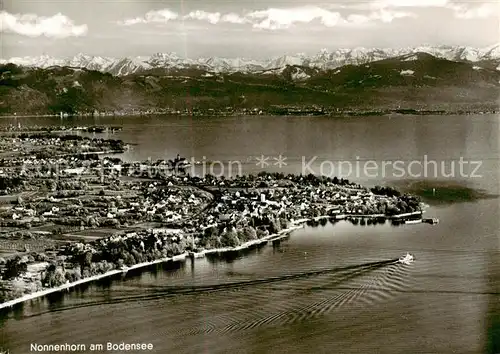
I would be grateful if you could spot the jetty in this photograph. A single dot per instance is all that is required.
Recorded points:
(431, 221)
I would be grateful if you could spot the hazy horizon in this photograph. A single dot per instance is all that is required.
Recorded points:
(250, 29)
(249, 57)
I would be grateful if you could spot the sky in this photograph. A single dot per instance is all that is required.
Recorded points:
(244, 28)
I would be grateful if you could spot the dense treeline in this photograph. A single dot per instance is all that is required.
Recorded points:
(10, 183)
(388, 191)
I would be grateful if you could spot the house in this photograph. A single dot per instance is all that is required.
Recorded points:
(74, 171)
(37, 267)
(224, 217)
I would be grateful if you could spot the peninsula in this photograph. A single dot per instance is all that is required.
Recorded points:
(69, 215)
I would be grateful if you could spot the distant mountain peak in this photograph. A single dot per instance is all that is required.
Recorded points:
(324, 59)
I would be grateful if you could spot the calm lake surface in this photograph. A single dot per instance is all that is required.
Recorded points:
(446, 302)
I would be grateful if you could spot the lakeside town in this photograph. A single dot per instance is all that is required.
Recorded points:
(278, 110)
(70, 212)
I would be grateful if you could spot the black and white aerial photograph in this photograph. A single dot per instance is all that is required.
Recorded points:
(226, 177)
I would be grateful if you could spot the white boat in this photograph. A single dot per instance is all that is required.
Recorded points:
(418, 221)
(408, 258)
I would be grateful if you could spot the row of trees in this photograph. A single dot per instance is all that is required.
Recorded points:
(232, 235)
(387, 191)
(214, 237)
(105, 255)
(311, 179)
(10, 184)
(14, 267)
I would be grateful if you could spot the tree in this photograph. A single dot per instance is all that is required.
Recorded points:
(230, 238)
(120, 263)
(250, 233)
(284, 223)
(101, 267)
(54, 276)
(85, 260)
(41, 257)
(275, 226)
(128, 259)
(51, 185)
(137, 256)
(92, 222)
(14, 267)
(175, 249)
(73, 275)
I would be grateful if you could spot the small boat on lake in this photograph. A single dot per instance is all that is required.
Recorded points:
(407, 259)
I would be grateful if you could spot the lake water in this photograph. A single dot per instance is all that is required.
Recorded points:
(446, 302)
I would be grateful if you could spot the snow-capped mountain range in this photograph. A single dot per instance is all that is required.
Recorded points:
(323, 60)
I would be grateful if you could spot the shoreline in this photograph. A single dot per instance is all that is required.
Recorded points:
(334, 114)
(180, 257)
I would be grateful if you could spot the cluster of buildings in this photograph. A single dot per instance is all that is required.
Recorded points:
(241, 201)
(77, 205)
(46, 145)
(163, 215)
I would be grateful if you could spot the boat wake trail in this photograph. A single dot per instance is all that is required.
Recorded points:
(386, 284)
(312, 299)
(172, 291)
(176, 290)
(290, 314)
